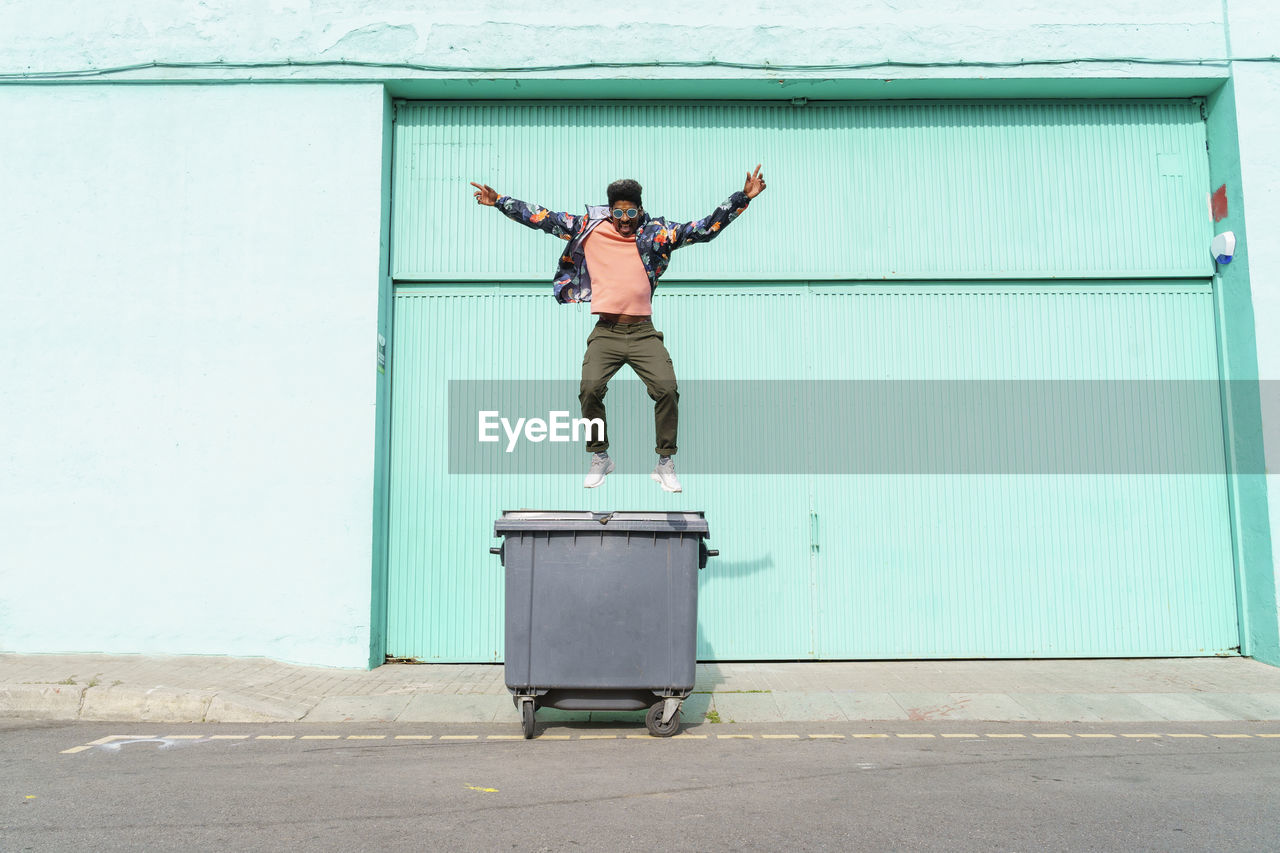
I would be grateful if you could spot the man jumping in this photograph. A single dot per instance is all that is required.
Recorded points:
(615, 257)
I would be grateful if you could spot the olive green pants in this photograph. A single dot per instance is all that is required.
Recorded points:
(609, 347)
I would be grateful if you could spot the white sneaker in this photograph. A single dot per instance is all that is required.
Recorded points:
(601, 465)
(665, 475)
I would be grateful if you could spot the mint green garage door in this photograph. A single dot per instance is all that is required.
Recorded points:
(996, 253)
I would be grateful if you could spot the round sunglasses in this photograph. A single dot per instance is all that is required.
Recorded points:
(632, 213)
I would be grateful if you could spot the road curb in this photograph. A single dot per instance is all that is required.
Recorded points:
(156, 704)
(41, 701)
(58, 702)
(226, 707)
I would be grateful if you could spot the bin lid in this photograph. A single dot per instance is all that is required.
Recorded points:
(529, 520)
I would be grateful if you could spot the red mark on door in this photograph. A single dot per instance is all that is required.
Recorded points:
(1218, 203)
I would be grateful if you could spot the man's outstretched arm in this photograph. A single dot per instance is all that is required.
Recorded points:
(709, 226)
(560, 225)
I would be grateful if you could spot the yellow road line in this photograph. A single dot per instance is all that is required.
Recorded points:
(102, 740)
(684, 736)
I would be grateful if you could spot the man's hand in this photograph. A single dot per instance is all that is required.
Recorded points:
(755, 183)
(488, 196)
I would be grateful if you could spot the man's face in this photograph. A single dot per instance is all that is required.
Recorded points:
(623, 218)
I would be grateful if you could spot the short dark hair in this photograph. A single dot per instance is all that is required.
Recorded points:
(625, 190)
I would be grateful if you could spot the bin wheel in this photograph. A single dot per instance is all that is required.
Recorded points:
(526, 718)
(657, 728)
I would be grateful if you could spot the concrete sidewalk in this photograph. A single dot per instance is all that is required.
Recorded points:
(251, 690)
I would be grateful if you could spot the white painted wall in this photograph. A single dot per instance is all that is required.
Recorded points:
(494, 33)
(1255, 31)
(188, 320)
(1258, 116)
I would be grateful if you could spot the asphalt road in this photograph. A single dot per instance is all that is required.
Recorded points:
(342, 787)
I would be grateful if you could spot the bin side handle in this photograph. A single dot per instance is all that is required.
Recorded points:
(704, 552)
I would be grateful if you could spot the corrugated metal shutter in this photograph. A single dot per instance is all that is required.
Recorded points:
(1090, 562)
(892, 190)
(813, 566)
(446, 590)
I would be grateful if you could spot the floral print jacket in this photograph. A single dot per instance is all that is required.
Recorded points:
(656, 238)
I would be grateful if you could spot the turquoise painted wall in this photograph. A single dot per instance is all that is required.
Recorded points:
(1245, 162)
(382, 437)
(183, 213)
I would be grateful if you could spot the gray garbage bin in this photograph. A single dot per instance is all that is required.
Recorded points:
(602, 611)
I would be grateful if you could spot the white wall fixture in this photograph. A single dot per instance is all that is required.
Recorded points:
(1223, 247)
